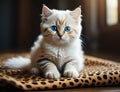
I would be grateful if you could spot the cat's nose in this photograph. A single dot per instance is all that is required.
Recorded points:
(60, 34)
(60, 37)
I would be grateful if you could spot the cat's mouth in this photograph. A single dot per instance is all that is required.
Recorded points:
(61, 39)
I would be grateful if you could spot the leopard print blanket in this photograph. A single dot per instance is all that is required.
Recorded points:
(97, 72)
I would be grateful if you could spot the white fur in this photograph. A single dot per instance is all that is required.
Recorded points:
(17, 62)
(22, 62)
(36, 44)
(74, 51)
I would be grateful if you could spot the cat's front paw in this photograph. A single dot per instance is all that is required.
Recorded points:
(52, 75)
(71, 74)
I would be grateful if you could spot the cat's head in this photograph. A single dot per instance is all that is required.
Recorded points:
(61, 26)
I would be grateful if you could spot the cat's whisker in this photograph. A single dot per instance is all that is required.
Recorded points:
(84, 41)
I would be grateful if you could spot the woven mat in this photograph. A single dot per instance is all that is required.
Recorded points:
(97, 72)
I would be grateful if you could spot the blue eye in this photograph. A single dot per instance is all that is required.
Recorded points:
(54, 28)
(67, 29)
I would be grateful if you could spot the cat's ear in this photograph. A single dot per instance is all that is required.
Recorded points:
(76, 13)
(46, 12)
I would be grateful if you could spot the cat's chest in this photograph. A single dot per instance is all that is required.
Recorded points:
(57, 52)
(60, 54)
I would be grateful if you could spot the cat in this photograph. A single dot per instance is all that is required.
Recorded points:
(58, 50)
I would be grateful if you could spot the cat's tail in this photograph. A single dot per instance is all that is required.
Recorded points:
(17, 63)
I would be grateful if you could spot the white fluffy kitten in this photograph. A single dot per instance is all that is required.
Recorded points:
(58, 51)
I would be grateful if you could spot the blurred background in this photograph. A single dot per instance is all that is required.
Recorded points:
(19, 24)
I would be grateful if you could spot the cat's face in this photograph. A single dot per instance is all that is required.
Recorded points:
(60, 27)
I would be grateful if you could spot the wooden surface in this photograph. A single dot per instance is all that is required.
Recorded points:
(94, 89)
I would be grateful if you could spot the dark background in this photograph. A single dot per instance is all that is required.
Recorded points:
(20, 25)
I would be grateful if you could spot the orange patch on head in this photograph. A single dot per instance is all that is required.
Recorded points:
(75, 31)
(71, 32)
(61, 22)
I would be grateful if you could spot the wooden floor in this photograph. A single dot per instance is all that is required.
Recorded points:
(94, 89)
(106, 55)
